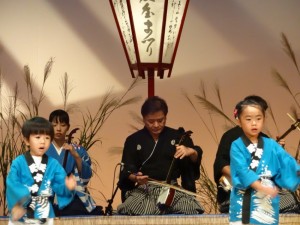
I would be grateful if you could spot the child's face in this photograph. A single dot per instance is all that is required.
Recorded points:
(60, 130)
(38, 144)
(251, 121)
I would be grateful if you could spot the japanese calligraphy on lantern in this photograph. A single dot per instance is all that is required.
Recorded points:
(121, 10)
(174, 20)
(150, 31)
(149, 22)
(147, 15)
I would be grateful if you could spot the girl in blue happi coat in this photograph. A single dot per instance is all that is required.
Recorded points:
(260, 167)
(34, 178)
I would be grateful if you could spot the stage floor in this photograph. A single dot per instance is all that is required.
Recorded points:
(220, 219)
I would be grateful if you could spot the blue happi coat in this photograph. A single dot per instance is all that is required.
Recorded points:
(276, 167)
(20, 184)
(82, 178)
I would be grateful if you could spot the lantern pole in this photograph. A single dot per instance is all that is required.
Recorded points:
(151, 82)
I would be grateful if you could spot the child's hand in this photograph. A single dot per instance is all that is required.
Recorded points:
(70, 182)
(281, 142)
(263, 188)
(270, 191)
(17, 212)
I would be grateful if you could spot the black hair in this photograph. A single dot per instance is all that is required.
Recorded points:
(37, 125)
(154, 104)
(252, 100)
(59, 115)
(259, 100)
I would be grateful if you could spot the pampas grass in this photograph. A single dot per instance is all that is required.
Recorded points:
(14, 110)
(206, 186)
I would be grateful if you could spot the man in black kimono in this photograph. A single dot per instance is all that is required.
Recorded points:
(161, 153)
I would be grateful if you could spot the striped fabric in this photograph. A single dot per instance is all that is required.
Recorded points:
(81, 189)
(288, 202)
(143, 201)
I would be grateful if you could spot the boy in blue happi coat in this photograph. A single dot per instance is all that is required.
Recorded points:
(34, 178)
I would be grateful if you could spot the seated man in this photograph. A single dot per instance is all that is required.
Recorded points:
(159, 153)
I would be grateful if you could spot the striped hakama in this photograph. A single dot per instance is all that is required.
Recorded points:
(143, 201)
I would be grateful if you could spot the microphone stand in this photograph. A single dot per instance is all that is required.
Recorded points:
(108, 208)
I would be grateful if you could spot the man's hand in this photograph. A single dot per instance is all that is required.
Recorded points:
(183, 151)
(139, 178)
